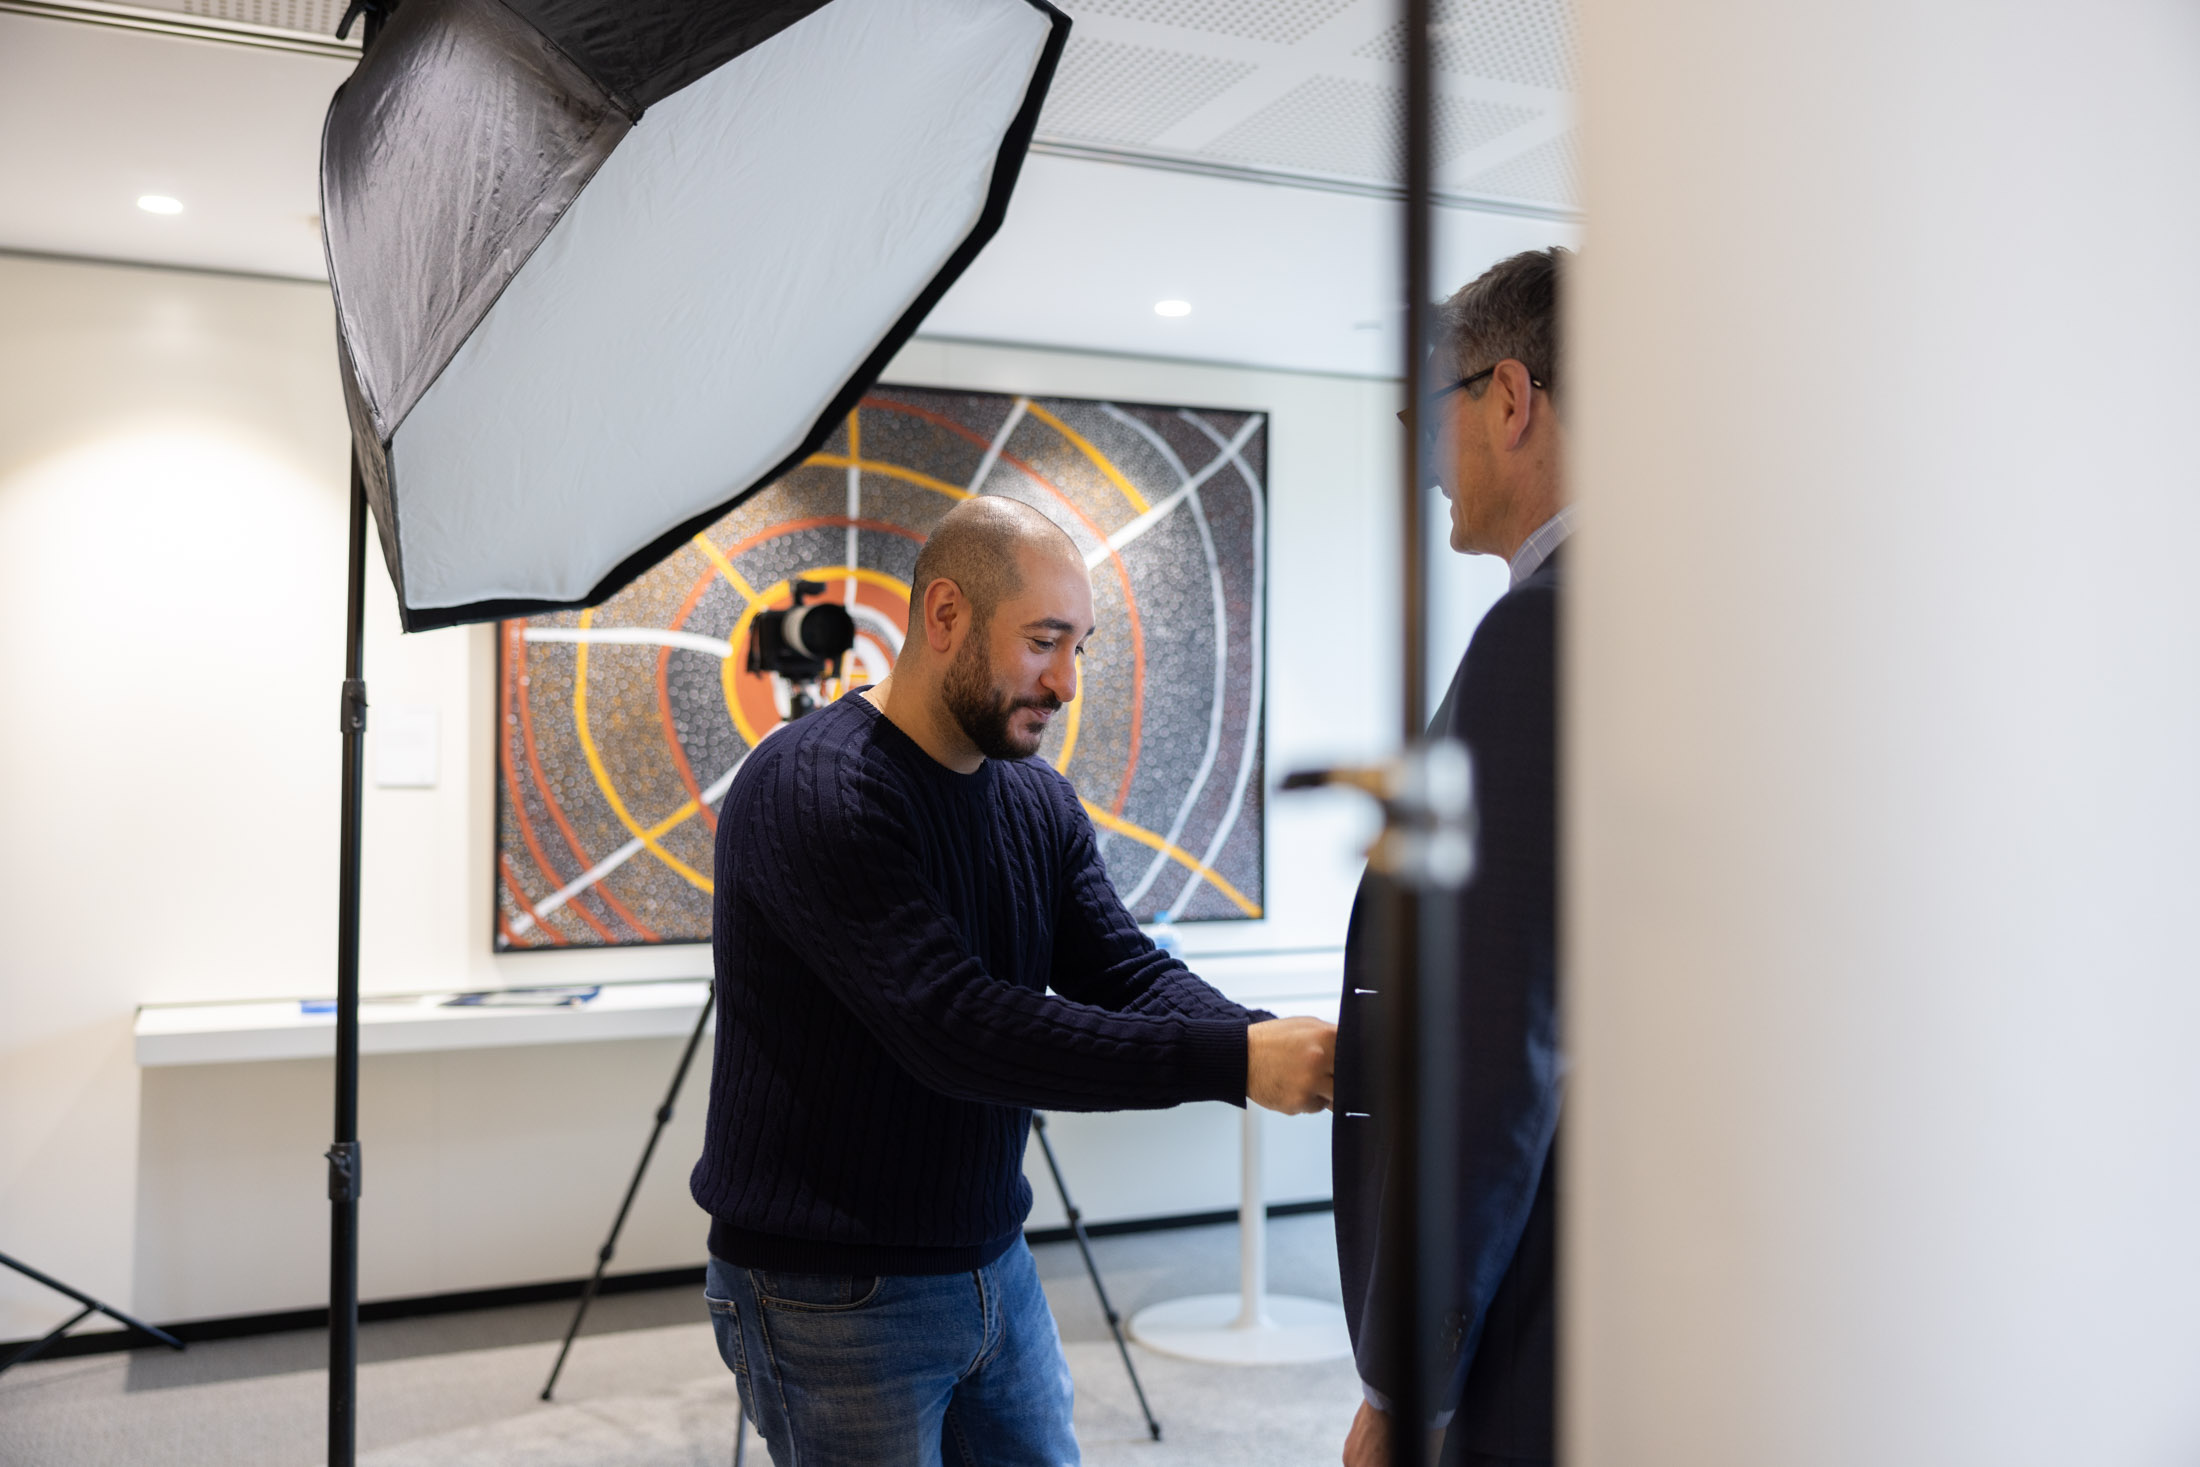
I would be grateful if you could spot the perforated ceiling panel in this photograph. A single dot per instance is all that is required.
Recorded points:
(1304, 88)
(1296, 89)
(1549, 171)
(1112, 93)
(1525, 41)
(1275, 87)
(1312, 88)
(1354, 128)
(1284, 22)
(314, 17)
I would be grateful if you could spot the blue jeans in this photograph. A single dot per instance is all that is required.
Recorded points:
(916, 1369)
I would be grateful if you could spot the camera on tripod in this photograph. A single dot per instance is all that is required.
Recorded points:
(802, 645)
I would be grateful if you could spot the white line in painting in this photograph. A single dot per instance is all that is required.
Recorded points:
(631, 637)
(1000, 441)
(1159, 512)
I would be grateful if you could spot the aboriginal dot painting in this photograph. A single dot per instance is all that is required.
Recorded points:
(622, 727)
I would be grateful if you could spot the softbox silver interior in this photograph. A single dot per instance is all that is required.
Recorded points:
(603, 268)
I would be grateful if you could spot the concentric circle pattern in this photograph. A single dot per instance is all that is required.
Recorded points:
(620, 728)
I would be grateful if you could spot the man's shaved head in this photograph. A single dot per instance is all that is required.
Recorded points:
(977, 545)
(1000, 609)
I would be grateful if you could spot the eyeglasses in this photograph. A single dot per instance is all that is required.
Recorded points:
(1461, 385)
(1428, 405)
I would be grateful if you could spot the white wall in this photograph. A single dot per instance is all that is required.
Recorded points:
(172, 481)
(1884, 783)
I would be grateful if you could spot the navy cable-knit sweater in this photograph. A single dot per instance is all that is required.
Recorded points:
(885, 931)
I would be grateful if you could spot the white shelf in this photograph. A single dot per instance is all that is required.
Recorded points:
(227, 1033)
(232, 1033)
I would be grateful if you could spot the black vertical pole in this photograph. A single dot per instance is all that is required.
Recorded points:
(343, 1156)
(343, 1152)
(1418, 947)
(1413, 551)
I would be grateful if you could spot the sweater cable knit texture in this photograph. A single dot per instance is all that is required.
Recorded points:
(885, 931)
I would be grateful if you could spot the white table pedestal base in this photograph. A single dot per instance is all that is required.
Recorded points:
(1252, 1326)
(1288, 1331)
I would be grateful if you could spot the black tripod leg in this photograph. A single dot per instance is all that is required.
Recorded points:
(91, 1306)
(1084, 1246)
(641, 1168)
(56, 1333)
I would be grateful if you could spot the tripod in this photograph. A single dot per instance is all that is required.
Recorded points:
(626, 1205)
(611, 1243)
(664, 1118)
(1084, 1246)
(91, 1306)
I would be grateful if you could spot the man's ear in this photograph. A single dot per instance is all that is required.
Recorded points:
(1517, 407)
(945, 609)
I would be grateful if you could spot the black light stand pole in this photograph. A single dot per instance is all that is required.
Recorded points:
(611, 1243)
(343, 1155)
(1415, 872)
(343, 1152)
(1084, 1246)
(1413, 549)
(1422, 862)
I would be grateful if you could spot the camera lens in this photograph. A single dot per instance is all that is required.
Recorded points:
(824, 630)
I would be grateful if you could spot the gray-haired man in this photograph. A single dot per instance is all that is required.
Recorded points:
(1499, 449)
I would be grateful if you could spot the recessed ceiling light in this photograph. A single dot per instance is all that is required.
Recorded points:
(1172, 308)
(159, 204)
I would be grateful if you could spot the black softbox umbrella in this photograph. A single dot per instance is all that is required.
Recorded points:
(605, 267)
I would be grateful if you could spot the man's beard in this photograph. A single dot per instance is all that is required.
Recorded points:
(982, 710)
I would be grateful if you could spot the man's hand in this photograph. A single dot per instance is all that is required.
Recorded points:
(1290, 1065)
(1368, 1443)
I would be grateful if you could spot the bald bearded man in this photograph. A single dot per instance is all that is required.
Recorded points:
(899, 884)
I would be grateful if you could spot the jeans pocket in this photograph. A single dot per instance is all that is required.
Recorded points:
(815, 1293)
(725, 1323)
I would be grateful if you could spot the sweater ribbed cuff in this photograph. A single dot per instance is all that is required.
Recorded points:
(1215, 1060)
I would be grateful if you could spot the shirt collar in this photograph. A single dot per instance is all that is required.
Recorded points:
(1537, 548)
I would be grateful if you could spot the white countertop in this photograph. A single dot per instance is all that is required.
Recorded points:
(228, 1033)
(224, 1033)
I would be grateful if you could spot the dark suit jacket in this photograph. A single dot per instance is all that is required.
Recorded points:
(1503, 704)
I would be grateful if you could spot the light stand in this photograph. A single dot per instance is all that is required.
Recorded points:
(91, 1307)
(1423, 857)
(343, 1152)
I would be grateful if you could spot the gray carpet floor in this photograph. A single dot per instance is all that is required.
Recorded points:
(645, 1388)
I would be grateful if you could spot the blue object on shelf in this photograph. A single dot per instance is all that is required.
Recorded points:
(1163, 933)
